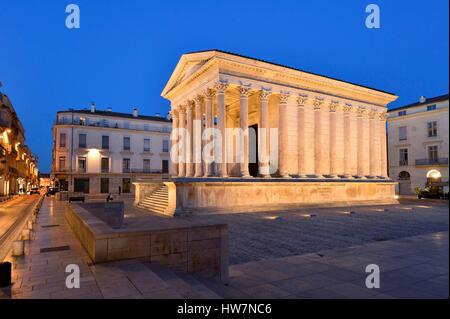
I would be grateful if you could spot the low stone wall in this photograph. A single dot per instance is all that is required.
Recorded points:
(193, 249)
(262, 195)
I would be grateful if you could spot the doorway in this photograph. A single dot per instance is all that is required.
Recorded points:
(253, 163)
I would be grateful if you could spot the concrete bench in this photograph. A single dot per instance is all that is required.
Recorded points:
(76, 199)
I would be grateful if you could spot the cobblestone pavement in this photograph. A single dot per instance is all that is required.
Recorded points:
(257, 236)
(412, 266)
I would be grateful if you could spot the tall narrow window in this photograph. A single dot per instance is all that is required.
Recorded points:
(105, 165)
(126, 165)
(402, 113)
(146, 145)
(104, 185)
(126, 144)
(403, 157)
(433, 156)
(62, 163)
(165, 147)
(126, 185)
(105, 142)
(431, 107)
(165, 166)
(402, 133)
(82, 164)
(82, 140)
(62, 140)
(146, 165)
(432, 129)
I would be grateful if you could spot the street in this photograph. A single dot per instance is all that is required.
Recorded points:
(11, 212)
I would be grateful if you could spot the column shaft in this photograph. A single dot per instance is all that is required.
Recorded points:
(283, 136)
(243, 117)
(263, 135)
(182, 141)
(221, 119)
(174, 144)
(301, 129)
(197, 138)
(188, 142)
(208, 158)
(383, 146)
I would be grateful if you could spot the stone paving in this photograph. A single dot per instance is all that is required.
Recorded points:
(412, 266)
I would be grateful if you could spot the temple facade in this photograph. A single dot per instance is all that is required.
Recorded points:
(246, 132)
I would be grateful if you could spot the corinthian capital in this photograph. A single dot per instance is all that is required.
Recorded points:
(221, 86)
(382, 116)
(208, 93)
(198, 99)
(301, 99)
(245, 89)
(333, 105)
(361, 110)
(284, 97)
(264, 94)
(318, 101)
(347, 107)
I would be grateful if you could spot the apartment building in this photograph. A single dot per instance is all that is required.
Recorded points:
(418, 144)
(101, 151)
(18, 166)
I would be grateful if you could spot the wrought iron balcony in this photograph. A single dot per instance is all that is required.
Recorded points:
(432, 161)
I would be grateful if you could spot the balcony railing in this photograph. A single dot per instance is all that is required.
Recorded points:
(403, 163)
(132, 127)
(432, 161)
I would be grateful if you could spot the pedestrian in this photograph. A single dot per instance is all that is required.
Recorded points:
(120, 190)
(109, 198)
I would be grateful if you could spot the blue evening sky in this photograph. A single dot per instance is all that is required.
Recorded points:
(126, 50)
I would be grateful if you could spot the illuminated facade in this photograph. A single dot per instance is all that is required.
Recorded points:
(418, 144)
(101, 152)
(251, 133)
(18, 166)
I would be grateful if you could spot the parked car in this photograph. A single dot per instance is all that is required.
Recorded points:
(52, 191)
(34, 190)
(432, 192)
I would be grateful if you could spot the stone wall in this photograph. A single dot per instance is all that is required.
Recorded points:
(194, 249)
(261, 195)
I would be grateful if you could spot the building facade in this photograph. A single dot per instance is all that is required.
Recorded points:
(101, 152)
(18, 166)
(250, 133)
(418, 143)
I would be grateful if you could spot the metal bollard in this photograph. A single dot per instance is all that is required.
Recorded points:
(5, 274)
(18, 248)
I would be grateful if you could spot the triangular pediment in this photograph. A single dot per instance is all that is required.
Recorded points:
(187, 65)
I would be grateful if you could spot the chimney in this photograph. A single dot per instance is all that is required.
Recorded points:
(135, 112)
(422, 99)
(109, 109)
(92, 107)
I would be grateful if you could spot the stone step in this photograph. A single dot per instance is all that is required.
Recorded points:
(151, 206)
(156, 202)
(162, 196)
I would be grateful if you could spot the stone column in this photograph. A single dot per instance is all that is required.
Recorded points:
(173, 142)
(374, 154)
(309, 137)
(383, 145)
(188, 142)
(366, 145)
(283, 135)
(335, 164)
(263, 134)
(182, 141)
(301, 137)
(197, 137)
(360, 143)
(350, 131)
(318, 148)
(209, 125)
(244, 91)
(222, 124)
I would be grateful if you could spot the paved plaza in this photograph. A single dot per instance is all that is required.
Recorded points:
(273, 255)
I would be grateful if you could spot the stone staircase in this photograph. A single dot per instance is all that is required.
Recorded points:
(158, 201)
